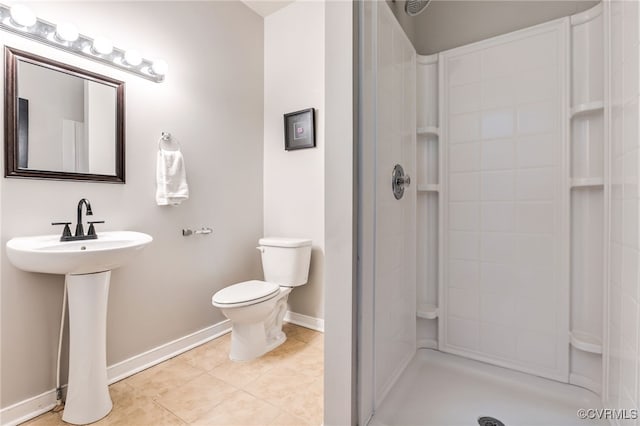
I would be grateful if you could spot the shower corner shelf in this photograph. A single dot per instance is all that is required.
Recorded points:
(587, 108)
(433, 187)
(587, 182)
(585, 342)
(427, 311)
(428, 130)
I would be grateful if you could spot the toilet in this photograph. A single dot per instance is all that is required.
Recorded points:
(256, 308)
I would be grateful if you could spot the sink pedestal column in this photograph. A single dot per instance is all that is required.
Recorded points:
(88, 397)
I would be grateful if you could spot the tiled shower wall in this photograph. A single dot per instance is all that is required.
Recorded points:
(505, 288)
(622, 352)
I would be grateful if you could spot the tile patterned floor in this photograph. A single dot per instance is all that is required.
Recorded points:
(204, 387)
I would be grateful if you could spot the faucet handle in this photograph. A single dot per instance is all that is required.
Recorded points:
(92, 229)
(66, 232)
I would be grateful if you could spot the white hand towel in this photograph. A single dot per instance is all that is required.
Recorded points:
(171, 178)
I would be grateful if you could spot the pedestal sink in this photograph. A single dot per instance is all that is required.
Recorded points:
(87, 268)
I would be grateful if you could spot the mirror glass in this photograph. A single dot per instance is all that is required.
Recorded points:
(64, 123)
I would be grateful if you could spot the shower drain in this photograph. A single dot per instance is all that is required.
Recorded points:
(489, 421)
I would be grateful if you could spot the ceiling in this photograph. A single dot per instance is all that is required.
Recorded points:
(266, 7)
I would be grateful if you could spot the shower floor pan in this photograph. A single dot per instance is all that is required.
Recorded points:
(439, 389)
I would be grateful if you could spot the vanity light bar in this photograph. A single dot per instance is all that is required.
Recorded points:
(22, 21)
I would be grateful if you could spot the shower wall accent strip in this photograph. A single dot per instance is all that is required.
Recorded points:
(428, 179)
(504, 295)
(587, 198)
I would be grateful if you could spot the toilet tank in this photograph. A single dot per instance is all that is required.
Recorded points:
(285, 261)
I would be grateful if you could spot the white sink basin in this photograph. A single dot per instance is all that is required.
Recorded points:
(47, 254)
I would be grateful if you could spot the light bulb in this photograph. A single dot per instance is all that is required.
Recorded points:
(66, 31)
(22, 16)
(102, 45)
(159, 67)
(133, 57)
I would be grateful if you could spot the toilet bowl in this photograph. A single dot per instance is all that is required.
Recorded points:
(256, 308)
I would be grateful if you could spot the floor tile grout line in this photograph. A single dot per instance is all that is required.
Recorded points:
(170, 411)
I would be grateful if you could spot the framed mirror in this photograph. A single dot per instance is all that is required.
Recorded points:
(61, 122)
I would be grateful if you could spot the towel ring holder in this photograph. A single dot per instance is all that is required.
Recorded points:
(166, 137)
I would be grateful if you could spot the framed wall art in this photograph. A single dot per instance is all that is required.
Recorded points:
(299, 130)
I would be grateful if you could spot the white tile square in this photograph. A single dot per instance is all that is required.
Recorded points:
(535, 217)
(463, 303)
(539, 117)
(536, 314)
(537, 52)
(464, 98)
(463, 69)
(498, 278)
(496, 308)
(464, 273)
(498, 93)
(498, 247)
(538, 84)
(464, 127)
(498, 217)
(464, 216)
(537, 150)
(537, 349)
(498, 123)
(536, 250)
(535, 281)
(463, 333)
(498, 186)
(464, 186)
(497, 340)
(497, 61)
(498, 154)
(464, 157)
(537, 184)
(464, 245)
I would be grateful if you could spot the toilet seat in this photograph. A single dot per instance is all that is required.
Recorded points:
(245, 293)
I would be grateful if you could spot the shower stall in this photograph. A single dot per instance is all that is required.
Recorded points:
(503, 285)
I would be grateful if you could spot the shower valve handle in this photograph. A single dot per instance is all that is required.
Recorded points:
(398, 181)
(403, 180)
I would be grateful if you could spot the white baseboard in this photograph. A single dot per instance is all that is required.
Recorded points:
(137, 363)
(33, 407)
(28, 409)
(305, 321)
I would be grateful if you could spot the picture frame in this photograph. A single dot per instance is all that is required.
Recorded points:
(299, 130)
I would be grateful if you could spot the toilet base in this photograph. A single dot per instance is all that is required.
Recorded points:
(243, 347)
(250, 340)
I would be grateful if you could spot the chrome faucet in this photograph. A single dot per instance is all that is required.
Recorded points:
(80, 235)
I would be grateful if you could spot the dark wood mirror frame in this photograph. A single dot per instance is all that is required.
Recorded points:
(11, 160)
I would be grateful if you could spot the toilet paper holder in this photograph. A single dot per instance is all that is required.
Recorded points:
(202, 231)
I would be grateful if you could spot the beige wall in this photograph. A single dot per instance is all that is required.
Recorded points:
(294, 58)
(212, 101)
(446, 24)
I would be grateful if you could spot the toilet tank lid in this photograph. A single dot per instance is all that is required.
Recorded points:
(284, 242)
